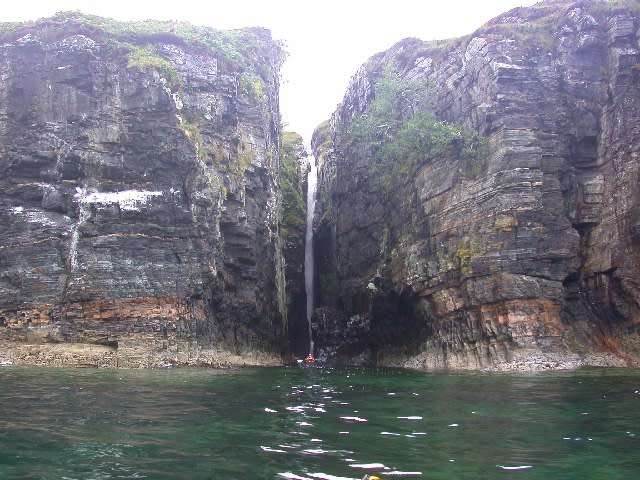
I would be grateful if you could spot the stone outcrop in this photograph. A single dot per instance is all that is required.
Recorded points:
(523, 255)
(139, 194)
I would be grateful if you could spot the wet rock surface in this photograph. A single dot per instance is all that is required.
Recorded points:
(139, 196)
(293, 181)
(527, 258)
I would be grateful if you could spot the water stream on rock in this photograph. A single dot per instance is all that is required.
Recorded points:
(308, 245)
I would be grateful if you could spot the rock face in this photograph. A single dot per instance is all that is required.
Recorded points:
(139, 194)
(293, 181)
(525, 256)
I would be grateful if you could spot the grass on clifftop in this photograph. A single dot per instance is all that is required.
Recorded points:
(243, 50)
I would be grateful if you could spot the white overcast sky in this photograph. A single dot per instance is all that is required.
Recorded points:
(327, 40)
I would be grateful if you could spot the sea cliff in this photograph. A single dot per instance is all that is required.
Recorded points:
(140, 197)
(479, 203)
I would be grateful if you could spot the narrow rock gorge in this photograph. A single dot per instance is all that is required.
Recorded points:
(139, 194)
(293, 181)
(479, 204)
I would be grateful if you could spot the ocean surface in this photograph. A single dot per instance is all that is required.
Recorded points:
(317, 423)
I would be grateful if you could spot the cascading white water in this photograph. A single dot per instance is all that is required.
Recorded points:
(312, 180)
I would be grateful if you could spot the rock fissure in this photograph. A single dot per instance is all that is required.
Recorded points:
(477, 199)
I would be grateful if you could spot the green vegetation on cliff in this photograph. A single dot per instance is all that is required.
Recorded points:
(240, 51)
(294, 206)
(143, 57)
(401, 131)
(322, 141)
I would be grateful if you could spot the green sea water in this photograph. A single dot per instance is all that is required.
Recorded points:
(317, 424)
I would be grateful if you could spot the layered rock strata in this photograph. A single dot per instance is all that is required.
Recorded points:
(139, 194)
(529, 255)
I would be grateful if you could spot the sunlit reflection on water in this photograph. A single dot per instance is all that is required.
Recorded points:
(314, 423)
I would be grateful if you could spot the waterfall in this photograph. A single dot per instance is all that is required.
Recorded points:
(312, 180)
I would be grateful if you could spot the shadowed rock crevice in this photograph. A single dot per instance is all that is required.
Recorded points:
(293, 180)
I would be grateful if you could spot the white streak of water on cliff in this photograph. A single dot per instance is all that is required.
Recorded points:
(308, 245)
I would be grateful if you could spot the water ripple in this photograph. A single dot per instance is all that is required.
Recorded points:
(399, 473)
(186, 424)
(354, 419)
(519, 467)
